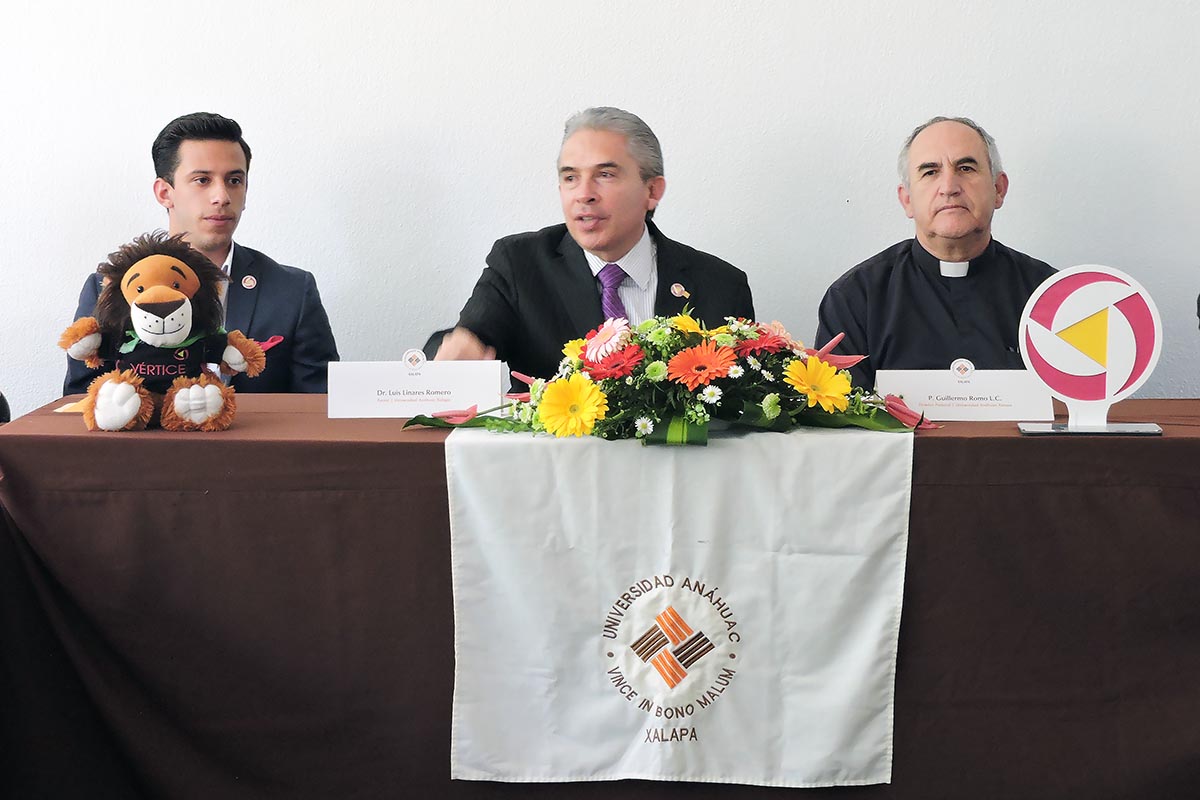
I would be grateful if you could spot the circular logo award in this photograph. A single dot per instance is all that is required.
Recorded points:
(1093, 336)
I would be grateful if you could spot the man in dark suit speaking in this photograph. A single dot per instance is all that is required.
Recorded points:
(542, 289)
(203, 164)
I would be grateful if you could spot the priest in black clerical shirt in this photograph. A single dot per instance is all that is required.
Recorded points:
(951, 292)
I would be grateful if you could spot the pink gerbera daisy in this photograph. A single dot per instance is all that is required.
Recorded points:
(607, 339)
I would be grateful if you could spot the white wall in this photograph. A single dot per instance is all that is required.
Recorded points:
(393, 142)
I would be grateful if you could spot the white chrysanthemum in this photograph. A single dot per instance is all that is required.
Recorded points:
(710, 394)
(644, 426)
(753, 362)
(767, 376)
(736, 371)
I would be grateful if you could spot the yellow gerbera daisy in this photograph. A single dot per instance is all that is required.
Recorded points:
(820, 382)
(571, 407)
(686, 323)
(573, 348)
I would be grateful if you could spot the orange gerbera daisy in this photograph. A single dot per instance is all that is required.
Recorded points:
(698, 365)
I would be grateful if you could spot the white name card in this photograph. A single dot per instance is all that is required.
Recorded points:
(411, 387)
(963, 393)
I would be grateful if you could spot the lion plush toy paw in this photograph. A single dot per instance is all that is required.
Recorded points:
(158, 322)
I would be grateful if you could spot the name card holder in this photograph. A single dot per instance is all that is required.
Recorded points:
(404, 389)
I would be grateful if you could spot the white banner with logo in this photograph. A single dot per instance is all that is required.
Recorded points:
(726, 613)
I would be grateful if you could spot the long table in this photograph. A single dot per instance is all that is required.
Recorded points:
(266, 612)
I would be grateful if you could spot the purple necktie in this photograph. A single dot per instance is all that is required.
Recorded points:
(610, 302)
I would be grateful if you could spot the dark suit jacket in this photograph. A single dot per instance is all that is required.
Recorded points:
(284, 301)
(537, 293)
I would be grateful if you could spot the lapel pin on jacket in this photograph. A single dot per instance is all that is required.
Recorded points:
(678, 290)
(249, 282)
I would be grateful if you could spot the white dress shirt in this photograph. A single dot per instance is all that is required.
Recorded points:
(226, 268)
(224, 292)
(638, 289)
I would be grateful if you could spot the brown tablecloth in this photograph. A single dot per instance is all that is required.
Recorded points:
(266, 612)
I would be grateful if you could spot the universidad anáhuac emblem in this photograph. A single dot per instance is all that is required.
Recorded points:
(671, 645)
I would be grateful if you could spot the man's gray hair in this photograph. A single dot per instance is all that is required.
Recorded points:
(992, 151)
(643, 144)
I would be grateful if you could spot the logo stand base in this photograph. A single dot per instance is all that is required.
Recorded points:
(1089, 418)
(1110, 429)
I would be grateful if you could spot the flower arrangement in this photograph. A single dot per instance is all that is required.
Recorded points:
(666, 379)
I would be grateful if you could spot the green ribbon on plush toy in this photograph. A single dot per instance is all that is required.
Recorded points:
(134, 341)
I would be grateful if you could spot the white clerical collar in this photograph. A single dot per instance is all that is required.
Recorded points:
(954, 269)
(638, 263)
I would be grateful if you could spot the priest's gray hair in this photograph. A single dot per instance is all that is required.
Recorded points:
(643, 144)
(992, 151)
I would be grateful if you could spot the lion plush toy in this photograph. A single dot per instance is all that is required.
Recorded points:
(158, 322)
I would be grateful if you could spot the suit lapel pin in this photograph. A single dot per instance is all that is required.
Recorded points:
(249, 282)
(678, 291)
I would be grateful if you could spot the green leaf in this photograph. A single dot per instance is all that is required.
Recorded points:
(438, 422)
(505, 424)
(873, 422)
(752, 416)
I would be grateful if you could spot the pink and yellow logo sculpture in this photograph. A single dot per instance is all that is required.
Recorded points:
(1093, 336)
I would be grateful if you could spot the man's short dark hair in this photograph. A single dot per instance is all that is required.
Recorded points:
(201, 126)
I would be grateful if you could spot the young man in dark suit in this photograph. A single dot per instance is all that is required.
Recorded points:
(203, 163)
(542, 289)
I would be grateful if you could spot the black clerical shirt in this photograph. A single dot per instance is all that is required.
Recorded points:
(897, 308)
